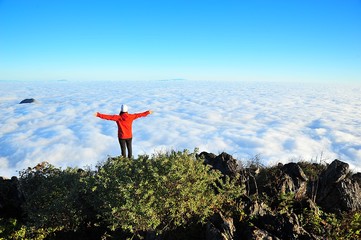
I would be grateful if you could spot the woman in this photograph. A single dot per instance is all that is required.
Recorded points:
(124, 121)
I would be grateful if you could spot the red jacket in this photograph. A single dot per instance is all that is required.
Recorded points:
(124, 122)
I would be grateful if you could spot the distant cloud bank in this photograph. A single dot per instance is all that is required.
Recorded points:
(278, 122)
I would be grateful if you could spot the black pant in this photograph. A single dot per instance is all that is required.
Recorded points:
(126, 143)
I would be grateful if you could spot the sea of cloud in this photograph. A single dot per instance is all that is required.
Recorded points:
(276, 122)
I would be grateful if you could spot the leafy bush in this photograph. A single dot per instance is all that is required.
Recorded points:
(54, 197)
(8, 227)
(346, 226)
(313, 221)
(285, 202)
(351, 226)
(158, 193)
(12, 229)
(229, 191)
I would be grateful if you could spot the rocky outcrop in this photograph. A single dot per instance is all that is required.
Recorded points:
(276, 226)
(357, 178)
(224, 162)
(277, 180)
(338, 190)
(293, 180)
(334, 189)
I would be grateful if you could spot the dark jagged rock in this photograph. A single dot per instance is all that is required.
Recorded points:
(254, 208)
(295, 172)
(335, 172)
(305, 204)
(27, 100)
(295, 180)
(337, 191)
(220, 228)
(224, 162)
(285, 226)
(259, 234)
(357, 178)
(280, 180)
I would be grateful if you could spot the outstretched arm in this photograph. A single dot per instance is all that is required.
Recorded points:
(106, 117)
(143, 114)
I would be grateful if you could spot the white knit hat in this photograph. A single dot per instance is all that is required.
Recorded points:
(124, 108)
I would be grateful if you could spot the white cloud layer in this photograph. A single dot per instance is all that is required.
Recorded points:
(279, 122)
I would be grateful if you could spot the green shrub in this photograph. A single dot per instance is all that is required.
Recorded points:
(313, 221)
(230, 191)
(54, 197)
(285, 202)
(11, 229)
(8, 228)
(328, 225)
(351, 225)
(159, 193)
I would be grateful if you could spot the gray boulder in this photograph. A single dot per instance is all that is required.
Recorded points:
(294, 180)
(337, 190)
(224, 162)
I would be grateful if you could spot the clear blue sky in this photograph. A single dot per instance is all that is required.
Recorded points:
(270, 40)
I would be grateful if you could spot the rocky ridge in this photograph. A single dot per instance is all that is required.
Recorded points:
(273, 198)
(332, 188)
